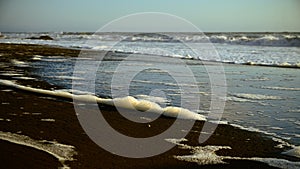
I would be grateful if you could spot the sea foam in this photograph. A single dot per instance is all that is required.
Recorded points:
(293, 152)
(19, 63)
(256, 96)
(127, 102)
(60, 151)
(205, 155)
(281, 88)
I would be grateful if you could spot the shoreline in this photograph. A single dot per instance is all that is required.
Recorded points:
(25, 52)
(66, 130)
(25, 111)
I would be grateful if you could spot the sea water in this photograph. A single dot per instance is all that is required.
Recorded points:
(262, 98)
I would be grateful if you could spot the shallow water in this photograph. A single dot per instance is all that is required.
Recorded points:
(276, 49)
(263, 98)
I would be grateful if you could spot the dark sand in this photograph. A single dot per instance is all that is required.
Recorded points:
(67, 130)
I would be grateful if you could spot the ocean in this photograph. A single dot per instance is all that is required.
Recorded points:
(261, 73)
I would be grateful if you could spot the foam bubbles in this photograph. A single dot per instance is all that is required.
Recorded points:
(144, 105)
(37, 57)
(256, 96)
(281, 88)
(19, 63)
(128, 102)
(182, 113)
(48, 120)
(293, 152)
(201, 155)
(237, 99)
(11, 74)
(258, 78)
(205, 155)
(67, 77)
(24, 78)
(60, 151)
(152, 98)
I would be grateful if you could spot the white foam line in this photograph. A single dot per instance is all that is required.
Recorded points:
(60, 151)
(128, 102)
(48, 120)
(256, 96)
(53, 60)
(66, 77)
(30, 89)
(294, 111)
(258, 79)
(280, 88)
(11, 74)
(24, 78)
(237, 99)
(19, 63)
(37, 57)
(6, 90)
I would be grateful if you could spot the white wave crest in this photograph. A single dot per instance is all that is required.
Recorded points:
(256, 96)
(281, 88)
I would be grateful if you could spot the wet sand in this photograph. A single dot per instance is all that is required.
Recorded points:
(22, 112)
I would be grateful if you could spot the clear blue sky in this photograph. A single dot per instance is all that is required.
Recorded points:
(208, 15)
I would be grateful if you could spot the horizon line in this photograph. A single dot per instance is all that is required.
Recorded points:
(150, 32)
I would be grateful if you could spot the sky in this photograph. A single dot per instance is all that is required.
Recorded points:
(207, 15)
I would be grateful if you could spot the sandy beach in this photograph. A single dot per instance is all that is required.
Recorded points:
(41, 117)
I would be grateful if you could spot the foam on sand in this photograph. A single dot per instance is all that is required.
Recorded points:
(48, 120)
(207, 155)
(128, 102)
(293, 152)
(11, 74)
(202, 155)
(34, 90)
(60, 151)
(19, 63)
(37, 57)
(24, 78)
